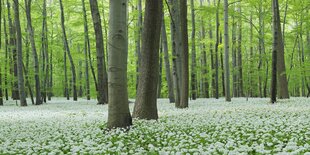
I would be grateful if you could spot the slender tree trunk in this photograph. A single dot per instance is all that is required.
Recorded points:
(102, 93)
(251, 81)
(234, 58)
(86, 48)
(6, 55)
(34, 53)
(216, 64)
(240, 75)
(222, 68)
(226, 47)
(45, 53)
(193, 66)
(146, 104)
(205, 85)
(185, 68)
(66, 90)
(21, 84)
(167, 63)
(67, 49)
(275, 51)
(160, 70)
(50, 93)
(28, 84)
(1, 93)
(118, 108)
(12, 48)
(138, 41)
(214, 87)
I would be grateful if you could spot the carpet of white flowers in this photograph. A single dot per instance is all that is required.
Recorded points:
(208, 126)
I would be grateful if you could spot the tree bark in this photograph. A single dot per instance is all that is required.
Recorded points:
(239, 62)
(146, 104)
(281, 71)
(205, 83)
(21, 83)
(102, 93)
(175, 40)
(138, 41)
(46, 63)
(67, 49)
(86, 47)
(167, 62)
(226, 45)
(1, 93)
(275, 51)
(193, 66)
(34, 53)
(12, 48)
(159, 83)
(6, 43)
(185, 68)
(215, 76)
(118, 109)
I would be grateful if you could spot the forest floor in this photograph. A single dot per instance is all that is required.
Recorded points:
(208, 126)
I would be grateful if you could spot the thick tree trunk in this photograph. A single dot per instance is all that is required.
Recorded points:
(146, 104)
(102, 93)
(167, 63)
(193, 65)
(118, 110)
(67, 49)
(185, 68)
(34, 53)
(226, 47)
(21, 83)
(281, 71)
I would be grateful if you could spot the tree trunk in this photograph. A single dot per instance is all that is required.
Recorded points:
(226, 47)
(21, 84)
(34, 53)
(275, 51)
(46, 63)
(86, 49)
(138, 41)
(216, 64)
(6, 56)
(146, 104)
(118, 109)
(175, 40)
(1, 93)
(167, 63)
(102, 93)
(240, 75)
(281, 73)
(185, 69)
(12, 48)
(234, 58)
(193, 66)
(159, 83)
(67, 49)
(205, 85)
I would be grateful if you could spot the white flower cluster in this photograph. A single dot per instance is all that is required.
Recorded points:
(209, 126)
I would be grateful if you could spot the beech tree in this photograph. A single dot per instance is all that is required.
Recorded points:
(146, 104)
(118, 108)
